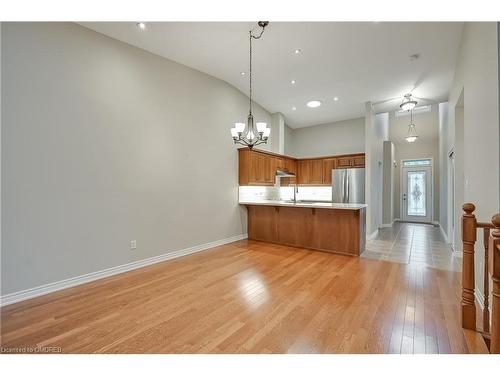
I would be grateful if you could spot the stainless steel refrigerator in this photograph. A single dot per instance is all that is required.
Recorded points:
(348, 185)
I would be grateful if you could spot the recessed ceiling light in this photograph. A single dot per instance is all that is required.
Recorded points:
(297, 51)
(242, 73)
(313, 103)
(294, 108)
(141, 25)
(292, 82)
(336, 98)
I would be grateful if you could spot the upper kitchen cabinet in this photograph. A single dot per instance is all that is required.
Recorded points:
(258, 167)
(351, 161)
(290, 165)
(310, 172)
(359, 161)
(328, 165)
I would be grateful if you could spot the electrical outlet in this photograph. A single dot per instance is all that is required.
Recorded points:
(133, 245)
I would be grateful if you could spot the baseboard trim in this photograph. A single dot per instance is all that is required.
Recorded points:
(38, 291)
(443, 233)
(372, 235)
(389, 225)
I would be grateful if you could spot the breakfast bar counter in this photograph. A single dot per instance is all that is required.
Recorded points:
(333, 227)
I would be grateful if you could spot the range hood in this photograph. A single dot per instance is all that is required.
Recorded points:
(282, 173)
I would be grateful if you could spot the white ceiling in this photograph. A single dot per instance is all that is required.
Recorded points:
(357, 62)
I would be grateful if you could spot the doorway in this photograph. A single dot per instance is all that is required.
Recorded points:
(417, 190)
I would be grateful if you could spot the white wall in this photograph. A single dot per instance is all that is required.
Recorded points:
(342, 137)
(459, 175)
(427, 145)
(278, 127)
(288, 140)
(376, 132)
(388, 187)
(103, 143)
(443, 168)
(476, 75)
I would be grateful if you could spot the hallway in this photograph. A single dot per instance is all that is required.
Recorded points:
(413, 243)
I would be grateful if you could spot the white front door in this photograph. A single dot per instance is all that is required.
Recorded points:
(417, 193)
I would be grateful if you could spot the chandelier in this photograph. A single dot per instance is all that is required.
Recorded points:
(408, 103)
(251, 134)
(412, 132)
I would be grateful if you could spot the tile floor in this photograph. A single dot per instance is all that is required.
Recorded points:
(413, 243)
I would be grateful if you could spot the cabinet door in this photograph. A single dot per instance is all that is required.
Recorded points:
(294, 226)
(344, 162)
(328, 165)
(290, 165)
(303, 171)
(358, 161)
(273, 165)
(316, 171)
(262, 223)
(259, 169)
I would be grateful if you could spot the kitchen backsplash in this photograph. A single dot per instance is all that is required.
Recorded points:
(259, 193)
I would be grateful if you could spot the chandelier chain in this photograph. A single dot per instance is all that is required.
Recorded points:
(250, 32)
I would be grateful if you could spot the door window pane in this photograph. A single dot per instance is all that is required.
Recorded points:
(416, 194)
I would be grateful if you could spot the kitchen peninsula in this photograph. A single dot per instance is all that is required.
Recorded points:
(326, 226)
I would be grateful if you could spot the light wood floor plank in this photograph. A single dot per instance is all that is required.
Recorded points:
(249, 297)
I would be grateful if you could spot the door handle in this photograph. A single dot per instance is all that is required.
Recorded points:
(347, 186)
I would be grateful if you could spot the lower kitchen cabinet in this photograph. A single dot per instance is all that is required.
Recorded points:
(335, 230)
(262, 221)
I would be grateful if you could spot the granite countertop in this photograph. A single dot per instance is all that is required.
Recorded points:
(330, 205)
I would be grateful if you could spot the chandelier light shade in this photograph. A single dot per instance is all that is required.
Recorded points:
(412, 135)
(408, 103)
(251, 134)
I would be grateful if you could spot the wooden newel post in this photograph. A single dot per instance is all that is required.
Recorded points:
(468, 239)
(494, 271)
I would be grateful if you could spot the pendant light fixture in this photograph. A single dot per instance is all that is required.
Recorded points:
(251, 134)
(408, 103)
(412, 135)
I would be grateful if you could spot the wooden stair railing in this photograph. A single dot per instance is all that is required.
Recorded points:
(491, 236)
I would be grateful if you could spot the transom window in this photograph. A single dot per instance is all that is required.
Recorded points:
(413, 163)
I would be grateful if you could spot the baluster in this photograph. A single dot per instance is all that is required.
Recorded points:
(494, 270)
(486, 283)
(468, 240)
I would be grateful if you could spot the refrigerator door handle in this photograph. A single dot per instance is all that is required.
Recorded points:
(347, 185)
(343, 186)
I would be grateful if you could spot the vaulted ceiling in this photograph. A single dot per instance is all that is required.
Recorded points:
(355, 62)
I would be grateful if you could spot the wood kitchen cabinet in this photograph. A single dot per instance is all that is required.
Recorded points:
(354, 161)
(335, 230)
(258, 167)
(358, 161)
(290, 165)
(310, 172)
(303, 171)
(328, 165)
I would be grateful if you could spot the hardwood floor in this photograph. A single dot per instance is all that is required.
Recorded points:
(249, 297)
